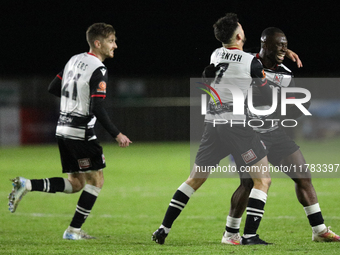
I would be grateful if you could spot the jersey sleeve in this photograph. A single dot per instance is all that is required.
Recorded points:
(259, 79)
(102, 116)
(98, 82)
(55, 85)
(291, 85)
(293, 112)
(98, 93)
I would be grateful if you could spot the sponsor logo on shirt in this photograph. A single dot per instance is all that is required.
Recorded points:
(103, 70)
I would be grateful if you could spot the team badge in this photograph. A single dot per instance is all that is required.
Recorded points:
(249, 156)
(278, 79)
(102, 87)
(84, 163)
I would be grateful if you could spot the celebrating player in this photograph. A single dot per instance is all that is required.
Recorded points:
(82, 89)
(282, 150)
(239, 69)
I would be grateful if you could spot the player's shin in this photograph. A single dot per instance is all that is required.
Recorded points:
(255, 211)
(84, 206)
(177, 204)
(50, 185)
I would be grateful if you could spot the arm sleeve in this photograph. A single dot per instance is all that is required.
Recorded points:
(98, 93)
(293, 112)
(259, 77)
(55, 85)
(103, 117)
(291, 85)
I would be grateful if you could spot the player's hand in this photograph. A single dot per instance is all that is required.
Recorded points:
(294, 57)
(123, 140)
(210, 71)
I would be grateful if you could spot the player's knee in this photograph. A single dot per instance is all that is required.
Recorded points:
(303, 182)
(247, 183)
(267, 181)
(195, 183)
(95, 179)
(77, 185)
(100, 183)
(263, 182)
(77, 181)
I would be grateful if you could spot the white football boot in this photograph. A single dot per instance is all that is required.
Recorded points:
(326, 235)
(19, 190)
(71, 234)
(235, 239)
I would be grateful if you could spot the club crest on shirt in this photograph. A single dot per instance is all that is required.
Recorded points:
(102, 87)
(278, 79)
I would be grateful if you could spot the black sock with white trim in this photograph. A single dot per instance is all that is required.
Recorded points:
(49, 185)
(315, 218)
(177, 204)
(85, 203)
(255, 211)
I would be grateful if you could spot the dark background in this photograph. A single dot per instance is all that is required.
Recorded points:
(161, 38)
(161, 44)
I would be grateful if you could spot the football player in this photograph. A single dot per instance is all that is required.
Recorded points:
(81, 87)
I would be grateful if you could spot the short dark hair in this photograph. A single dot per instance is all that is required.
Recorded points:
(98, 31)
(269, 32)
(225, 27)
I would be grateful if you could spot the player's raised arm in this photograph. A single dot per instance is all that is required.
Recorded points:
(294, 57)
(260, 80)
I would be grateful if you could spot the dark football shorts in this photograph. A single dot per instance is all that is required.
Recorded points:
(279, 145)
(80, 156)
(220, 141)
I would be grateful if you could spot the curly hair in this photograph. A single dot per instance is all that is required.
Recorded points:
(98, 31)
(225, 27)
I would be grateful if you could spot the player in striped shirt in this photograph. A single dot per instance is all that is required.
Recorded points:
(283, 151)
(81, 87)
(239, 69)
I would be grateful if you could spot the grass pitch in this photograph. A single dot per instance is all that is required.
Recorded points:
(139, 183)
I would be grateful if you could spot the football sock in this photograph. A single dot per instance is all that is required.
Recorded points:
(85, 203)
(166, 230)
(232, 226)
(255, 211)
(177, 204)
(50, 185)
(315, 218)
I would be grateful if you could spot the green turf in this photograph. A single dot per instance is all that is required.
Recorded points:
(139, 183)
